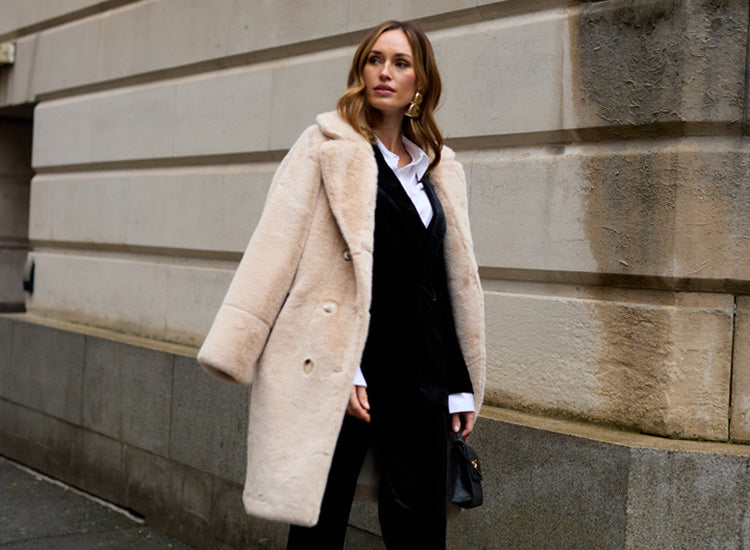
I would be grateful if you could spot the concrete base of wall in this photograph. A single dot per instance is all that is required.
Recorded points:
(140, 424)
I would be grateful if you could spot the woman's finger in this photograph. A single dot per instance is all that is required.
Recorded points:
(468, 421)
(354, 408)
(456, 422)
(362, 397)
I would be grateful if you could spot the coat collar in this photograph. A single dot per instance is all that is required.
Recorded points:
(350, 173)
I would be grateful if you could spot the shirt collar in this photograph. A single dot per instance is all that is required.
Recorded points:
(419, 159)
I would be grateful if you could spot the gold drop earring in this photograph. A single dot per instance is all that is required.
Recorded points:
(413, 111)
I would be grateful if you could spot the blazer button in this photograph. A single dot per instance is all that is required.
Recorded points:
(330, 306)
(308, 366)
(347, 255)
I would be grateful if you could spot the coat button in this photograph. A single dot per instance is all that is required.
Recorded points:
(330, 306)
(308, 366)
(347, 255)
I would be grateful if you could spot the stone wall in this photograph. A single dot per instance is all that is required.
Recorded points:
(140, 424)
(605, 146)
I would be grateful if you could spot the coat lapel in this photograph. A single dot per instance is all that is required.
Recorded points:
(350, 176)
(350, 181)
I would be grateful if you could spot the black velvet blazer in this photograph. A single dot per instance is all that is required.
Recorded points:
(411, 347)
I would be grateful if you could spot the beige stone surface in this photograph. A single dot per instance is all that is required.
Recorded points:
(528, 86)
(219, 113)
(18, 15)
(151, 36)
(144, 121)
(657, 362)
(145, 295)
(669, 209)
(303, 87)
(158, 35)
(211, 208)
(544, 81)
(740, 418)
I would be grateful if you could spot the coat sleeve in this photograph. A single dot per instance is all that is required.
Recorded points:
(264, 276)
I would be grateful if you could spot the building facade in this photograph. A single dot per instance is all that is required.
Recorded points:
(606, 151)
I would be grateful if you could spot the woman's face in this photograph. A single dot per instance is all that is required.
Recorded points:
(390, 79)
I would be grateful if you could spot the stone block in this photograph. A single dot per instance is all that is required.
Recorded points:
(150, 485)
(58, 200)
(687, 500)
(147, 209)
(209, 422)
(672, 211)
(15, 86)
(191, 116)
(38, 440)
(526, 89)
(739, 422)
(657, 362)
(97, 466)
(89, 288)
(45, 371)
(174, 498)
(155, 299)
(545, 490)
(657, 61)
(323, 77)
(229, 113)
(128, 393)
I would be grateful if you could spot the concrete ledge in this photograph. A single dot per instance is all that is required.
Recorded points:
(548, 483)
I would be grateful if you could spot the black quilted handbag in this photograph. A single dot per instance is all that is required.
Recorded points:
(465, 480)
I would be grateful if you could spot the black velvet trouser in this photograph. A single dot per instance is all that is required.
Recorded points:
(411, 449)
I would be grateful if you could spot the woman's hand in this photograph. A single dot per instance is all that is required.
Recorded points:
(359, 406)
(465, 419)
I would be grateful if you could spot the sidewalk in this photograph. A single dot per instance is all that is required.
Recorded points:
(39, 514)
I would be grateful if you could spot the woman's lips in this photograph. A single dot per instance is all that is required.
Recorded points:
(383, 90)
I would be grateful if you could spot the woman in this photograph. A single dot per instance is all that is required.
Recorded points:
(357, 311)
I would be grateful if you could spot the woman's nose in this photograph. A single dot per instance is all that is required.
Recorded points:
(385, 72)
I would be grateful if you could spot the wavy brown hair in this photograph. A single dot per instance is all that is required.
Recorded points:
(355, 109)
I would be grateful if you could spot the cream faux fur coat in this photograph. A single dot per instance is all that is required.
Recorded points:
(295, 318)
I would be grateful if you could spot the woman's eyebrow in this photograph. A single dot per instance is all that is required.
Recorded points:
(378, 52)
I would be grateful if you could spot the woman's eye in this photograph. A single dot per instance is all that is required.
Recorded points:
(402, 64)
(372, 60)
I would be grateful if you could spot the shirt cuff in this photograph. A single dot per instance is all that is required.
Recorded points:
(359, 378)
(460, 402)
